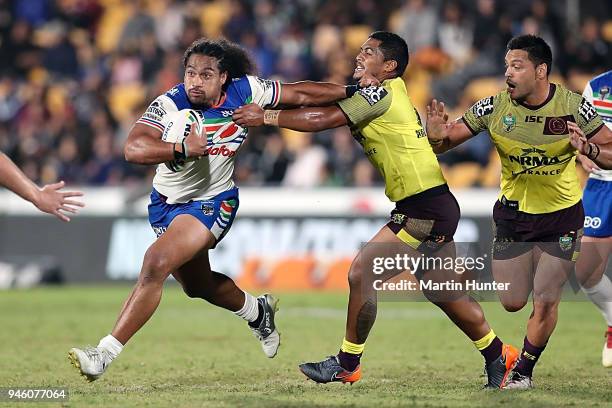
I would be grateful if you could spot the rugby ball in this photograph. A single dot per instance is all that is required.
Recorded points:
(177, 129)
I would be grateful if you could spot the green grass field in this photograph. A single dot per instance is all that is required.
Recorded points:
(193, 354)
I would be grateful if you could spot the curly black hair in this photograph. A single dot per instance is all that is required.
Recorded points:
(232, 58)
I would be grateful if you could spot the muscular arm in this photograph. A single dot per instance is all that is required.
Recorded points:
(456, 133)
(603, 140)
(312, 119)
(304, 119)
(144, 146)
(14, 179)
(309, 93)
(442, 135)
(48, 199)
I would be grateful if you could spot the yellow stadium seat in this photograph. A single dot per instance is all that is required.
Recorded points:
(355, 36)
(111, 26)
(483, 87)
(123, 99)
(606, 31)
(463, 175)
(213, 17)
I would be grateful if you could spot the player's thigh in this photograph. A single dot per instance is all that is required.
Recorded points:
(195, 275)
(184, 238)
(518, 273)
(592, 260)
(552, 273)
(381, 258)
(513, 258)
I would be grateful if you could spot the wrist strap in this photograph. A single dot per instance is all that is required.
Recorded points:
(592, 147)
(351, 89)
(435, 143)
(271, 117)
(178, 155)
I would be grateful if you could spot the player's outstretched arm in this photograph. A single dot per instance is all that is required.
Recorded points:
(48, 199)
(144, 146)
(310, 93)
(441, 134)
(598, 148)
(304, 120)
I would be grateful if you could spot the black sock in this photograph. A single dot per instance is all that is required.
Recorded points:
(493, 351)
(260, 314)
(529, 357)
(349, 361)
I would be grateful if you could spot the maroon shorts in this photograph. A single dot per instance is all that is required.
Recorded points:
(557, 233)
(426, 220)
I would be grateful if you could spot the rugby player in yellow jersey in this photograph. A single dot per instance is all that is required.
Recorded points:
(383, 120)
(538, 218)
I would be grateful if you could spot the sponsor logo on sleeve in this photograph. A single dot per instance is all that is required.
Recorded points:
(155, 111)
(483, 107)
(586, 110)
(265, 84)
(373, 94)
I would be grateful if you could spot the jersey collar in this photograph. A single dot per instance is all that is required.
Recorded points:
(551, 93)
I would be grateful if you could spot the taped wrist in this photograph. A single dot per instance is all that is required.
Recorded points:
(271, 117)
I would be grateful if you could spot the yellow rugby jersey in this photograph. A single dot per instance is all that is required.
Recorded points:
(538, 161)
(389, 129)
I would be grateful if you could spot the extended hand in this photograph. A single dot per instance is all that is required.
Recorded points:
(53, 201)
(249, 115)
(577, 138)
(368, 80)
(436, 121)
(587, 164)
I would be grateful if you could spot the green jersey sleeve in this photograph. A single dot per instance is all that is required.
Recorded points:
(587, 118)
(366, 104)
(477, 117)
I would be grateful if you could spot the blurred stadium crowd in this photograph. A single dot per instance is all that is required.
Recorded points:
(76, 74)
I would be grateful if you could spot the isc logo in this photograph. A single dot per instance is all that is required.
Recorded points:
(533, 119)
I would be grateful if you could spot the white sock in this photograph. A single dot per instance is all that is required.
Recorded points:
(112, 345)
(249, 311)
(601, 296)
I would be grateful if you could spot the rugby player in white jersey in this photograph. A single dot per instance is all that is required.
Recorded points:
(597, 202)
(192, 208)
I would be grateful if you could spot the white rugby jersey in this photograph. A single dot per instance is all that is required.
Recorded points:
(213, 173)
(598, 92)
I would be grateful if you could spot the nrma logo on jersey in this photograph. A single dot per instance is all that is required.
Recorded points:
(533, 158)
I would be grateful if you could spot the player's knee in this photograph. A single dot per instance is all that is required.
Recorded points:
(544, 309)
(355, 275)
(155, 267)
(513, 305)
